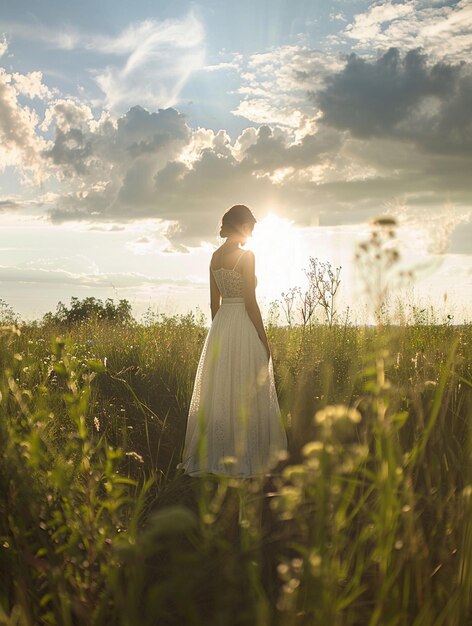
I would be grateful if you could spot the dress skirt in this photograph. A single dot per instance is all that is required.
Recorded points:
(234, 422)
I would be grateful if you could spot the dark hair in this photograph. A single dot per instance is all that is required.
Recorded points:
(234, 218)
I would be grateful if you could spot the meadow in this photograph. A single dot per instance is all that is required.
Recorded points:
(368, 521)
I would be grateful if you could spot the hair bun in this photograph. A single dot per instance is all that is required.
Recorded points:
(234, 218)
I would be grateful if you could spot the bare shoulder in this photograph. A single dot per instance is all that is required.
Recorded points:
(248, 259)
(249, 254)
(216, 254)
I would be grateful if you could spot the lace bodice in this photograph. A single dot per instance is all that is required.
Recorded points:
(229, 281)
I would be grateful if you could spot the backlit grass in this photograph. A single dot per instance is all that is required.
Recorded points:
(367, 522)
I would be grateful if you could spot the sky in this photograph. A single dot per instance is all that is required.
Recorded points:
(128, 129)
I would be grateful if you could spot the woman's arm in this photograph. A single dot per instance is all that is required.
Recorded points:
(252, 308)
(214, 296)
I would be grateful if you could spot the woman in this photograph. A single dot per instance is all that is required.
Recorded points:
(234, 422)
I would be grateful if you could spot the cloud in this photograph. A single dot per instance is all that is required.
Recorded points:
(224, 65)
(86, 146)
(111, 164)
(3, 46)
(8, 205)
(402, 97)
(274, 85)
(330, 136)
(269, 149)
(154, 59)
(444, 32)
(62, 277)
(368, 26)
(338, 16)
(58, 37)
(261, 111)
(67, 113)
(162, 57)
(64, 37)
(20, 145)
(138, 38)
(31, 85)
(111, 229)
(153, 165)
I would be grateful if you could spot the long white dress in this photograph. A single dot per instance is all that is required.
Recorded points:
(234, 422)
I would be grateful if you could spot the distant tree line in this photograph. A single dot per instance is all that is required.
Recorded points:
(7, 314)
(91, 308)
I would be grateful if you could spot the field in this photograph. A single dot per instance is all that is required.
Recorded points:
(368, 521)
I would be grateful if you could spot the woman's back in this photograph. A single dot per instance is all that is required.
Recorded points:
(227, 269)
(226, 259)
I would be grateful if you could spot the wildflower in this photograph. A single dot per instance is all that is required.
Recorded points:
(312, 464)
(334, 412)
(312, 448)
(315, 563)
(136, 456)
(292, 584)
(297, 565)
(467, 492)
(283, 569)
(295, 473)
(288, 500)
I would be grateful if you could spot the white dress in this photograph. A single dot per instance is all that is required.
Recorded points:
(234, 423)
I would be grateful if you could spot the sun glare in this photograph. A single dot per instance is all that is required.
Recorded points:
(276, 245)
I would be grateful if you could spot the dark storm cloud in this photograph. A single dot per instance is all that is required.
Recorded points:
(402, 97)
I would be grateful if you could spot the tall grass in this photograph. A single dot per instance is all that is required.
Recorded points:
(368, 522)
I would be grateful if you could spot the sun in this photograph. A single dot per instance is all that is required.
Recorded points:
(276, 245)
